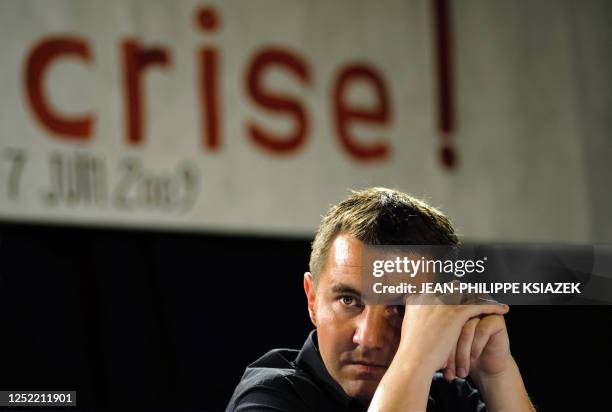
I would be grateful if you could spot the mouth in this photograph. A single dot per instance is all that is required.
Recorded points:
(365, 369)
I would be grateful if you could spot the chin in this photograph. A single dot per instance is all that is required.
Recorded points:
(362, 390)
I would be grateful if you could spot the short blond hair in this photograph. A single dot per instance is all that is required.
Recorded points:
(380, 216)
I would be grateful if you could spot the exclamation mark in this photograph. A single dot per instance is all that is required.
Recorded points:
(446, 109)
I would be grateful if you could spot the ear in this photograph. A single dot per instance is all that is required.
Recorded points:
(311, 296)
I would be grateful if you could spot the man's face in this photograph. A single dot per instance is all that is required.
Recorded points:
(357, 342)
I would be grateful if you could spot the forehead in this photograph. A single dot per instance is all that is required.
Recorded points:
(343, 261)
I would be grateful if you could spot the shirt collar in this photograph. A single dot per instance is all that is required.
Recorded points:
(309, 359)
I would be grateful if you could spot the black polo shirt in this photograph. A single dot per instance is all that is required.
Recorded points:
(291, 380)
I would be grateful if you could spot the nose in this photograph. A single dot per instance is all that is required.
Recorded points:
(372, 329)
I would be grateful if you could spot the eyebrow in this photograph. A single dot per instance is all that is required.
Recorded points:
(344, 288)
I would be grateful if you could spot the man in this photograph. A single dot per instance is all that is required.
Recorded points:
(379, 357)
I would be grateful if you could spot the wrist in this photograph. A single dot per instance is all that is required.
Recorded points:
(488, 379)
(504, 390)
(412, 361)
(417, 359)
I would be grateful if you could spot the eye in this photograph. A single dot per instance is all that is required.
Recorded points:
(347, 300)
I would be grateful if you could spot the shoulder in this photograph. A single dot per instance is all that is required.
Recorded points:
(270, 383)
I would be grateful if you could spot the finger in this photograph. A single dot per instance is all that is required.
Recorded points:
(449, 370)
(464, 347)
(472, 311)
(487, 327)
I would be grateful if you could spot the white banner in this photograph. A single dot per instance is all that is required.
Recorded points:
(255, 116)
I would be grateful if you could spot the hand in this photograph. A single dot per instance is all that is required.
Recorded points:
(483, 349)
(436, 335)
(443, 336)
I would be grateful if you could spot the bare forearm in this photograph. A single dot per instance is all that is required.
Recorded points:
(405, 387)
(505, 392)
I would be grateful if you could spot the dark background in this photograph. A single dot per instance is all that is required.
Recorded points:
(145, 319)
